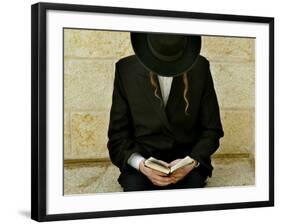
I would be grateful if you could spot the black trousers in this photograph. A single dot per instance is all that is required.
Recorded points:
(133, 180)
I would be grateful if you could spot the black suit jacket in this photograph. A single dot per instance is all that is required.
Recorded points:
(138, 122)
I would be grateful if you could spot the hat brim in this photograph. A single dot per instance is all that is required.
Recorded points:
(164, 68)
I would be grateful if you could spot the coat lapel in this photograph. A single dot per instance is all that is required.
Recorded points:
(160, 109)
(155, 102)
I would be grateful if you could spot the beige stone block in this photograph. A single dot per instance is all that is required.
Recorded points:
(67, 136)
(67, 146)
(89, 134)
(88, 84)
(96, 43)
(228, 48)
(123, 46)
(234, 84)
(238, 132)
(232, 172)
(253, 126)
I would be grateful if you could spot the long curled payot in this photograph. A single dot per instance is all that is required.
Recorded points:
(185, 91)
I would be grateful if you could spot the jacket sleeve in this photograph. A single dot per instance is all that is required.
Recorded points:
(210, 124)
(120, 131)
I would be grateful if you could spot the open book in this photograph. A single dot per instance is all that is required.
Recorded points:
(160, 166)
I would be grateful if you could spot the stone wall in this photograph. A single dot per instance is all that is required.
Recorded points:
(89, 60)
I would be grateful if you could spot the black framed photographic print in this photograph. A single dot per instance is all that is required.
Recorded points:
(144, 111)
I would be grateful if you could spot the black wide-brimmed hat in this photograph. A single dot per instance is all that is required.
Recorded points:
(166, 54)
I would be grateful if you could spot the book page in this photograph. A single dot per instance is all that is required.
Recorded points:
(157, 165)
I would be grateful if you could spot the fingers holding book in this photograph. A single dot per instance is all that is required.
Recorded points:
(156, 177)
(181, 173)
(162, 173)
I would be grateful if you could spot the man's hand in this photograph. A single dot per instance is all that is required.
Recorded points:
(156, 177)
(180, 173)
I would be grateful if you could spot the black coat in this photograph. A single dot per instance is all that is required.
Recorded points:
(138, 122)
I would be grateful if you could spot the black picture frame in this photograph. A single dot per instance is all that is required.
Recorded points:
(39, 110)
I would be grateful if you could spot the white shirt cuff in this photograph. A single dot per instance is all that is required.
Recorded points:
(135, 160)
